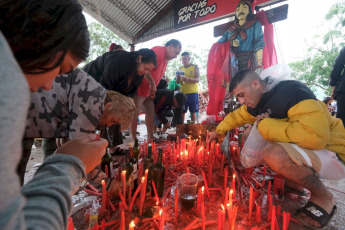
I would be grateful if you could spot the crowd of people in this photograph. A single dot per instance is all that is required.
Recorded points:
(42, 43)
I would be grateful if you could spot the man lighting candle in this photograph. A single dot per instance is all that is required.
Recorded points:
(305, 140)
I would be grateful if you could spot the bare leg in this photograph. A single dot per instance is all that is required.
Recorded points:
(278, 160)
(138, 101)
(149, 109)
(193, 116)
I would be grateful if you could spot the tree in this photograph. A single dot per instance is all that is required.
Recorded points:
(100, 39)
(315, 69)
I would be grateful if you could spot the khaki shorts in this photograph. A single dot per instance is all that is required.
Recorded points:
(325, 163)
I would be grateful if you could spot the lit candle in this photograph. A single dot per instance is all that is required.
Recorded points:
(198, 202)
(142, 195)
(161, 221)
(124, 183)
(229, 210)
(205, 182)
(202, 208)
(131, 225)
(223, 216)
(233, 183)
(98, 135)
(250, 202)
(176, 203)
(104, 198)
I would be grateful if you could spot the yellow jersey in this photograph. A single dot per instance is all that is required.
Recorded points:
(187, 88)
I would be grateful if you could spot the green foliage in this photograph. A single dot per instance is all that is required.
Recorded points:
(315, 69)
(101, 38)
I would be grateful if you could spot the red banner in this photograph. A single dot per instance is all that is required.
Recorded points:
(191, 12)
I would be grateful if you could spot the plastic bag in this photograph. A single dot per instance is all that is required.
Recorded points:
(251, 154)
(275, 74)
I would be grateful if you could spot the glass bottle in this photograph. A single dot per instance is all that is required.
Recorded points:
(134, 162)
(148, 164)
(148, 160)
(158, 173)
(136, 150)
(107, 160)
(128, 167)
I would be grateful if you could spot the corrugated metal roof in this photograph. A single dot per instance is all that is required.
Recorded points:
(130, 19)
(137, 21)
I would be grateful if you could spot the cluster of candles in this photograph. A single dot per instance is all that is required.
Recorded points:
(194, 153)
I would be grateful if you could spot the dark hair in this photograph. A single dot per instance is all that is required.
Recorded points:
(238, 78)
(148, 56)
(115, 47)
(326, 100)
(248, 3)
(39, 30)
(185, 53)
(175, 43)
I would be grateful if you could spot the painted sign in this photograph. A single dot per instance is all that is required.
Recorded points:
(190, 12)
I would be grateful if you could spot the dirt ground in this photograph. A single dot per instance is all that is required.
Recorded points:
(336, 187)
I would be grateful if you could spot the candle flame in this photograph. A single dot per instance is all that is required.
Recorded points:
(157, 203)
(202, 189)
(222, 206)
(124, 171)
(228, 205)
(233, 176)
(160, 212)
(103, 181)
(231, 192)
(146, 171)
(143, 179)
(132, 224)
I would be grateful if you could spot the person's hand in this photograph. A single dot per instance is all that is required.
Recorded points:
(213, 135)
(89, 151)
(152, 92)
(259, 117)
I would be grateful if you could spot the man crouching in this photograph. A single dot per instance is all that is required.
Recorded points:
(305, 140)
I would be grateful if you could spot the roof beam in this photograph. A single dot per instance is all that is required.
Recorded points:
(153, 20)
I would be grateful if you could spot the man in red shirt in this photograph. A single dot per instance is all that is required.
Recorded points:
(145, 93)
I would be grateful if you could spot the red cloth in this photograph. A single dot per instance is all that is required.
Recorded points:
(157, 72)
(215, 76)
(269, 57)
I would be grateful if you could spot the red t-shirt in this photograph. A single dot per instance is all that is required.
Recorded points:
(157, 72)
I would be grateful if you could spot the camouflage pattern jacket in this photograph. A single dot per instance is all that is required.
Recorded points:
(72, 108)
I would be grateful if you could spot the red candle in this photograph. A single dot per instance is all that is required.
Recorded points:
(258, 214)
(131, 225)
(124, 183)
(250, 202)
(286, 220)
(229, 210)
(270, 207)
(223, 216)
(161, 221)
(155, 191)
(198, 203)
(176, 203)
(233, 183)
(122, 225)
(234, 215)
(226, 195)
(268, 189)
(207, 191)
(210, 172)
(202, 208)
(142, 195)
(135, 196)
(273, 218)
(106, 170)
(104, 198)
(219, 220)
(230, 196)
